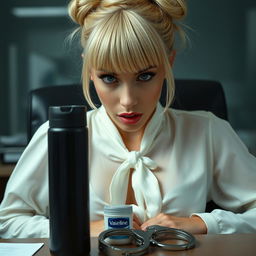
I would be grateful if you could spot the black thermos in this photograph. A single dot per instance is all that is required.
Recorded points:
(68, 181)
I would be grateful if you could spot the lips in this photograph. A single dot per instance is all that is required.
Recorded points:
(130, 118)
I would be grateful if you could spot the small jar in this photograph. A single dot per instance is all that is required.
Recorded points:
(118, 216)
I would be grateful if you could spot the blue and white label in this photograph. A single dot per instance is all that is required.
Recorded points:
(118, 222)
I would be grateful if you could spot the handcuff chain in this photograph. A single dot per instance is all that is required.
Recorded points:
(143, 239)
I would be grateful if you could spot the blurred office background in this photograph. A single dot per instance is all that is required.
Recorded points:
(34, 53)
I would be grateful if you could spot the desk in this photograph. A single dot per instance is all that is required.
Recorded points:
(207, 245)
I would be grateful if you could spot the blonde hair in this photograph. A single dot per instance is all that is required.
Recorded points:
(127, 36)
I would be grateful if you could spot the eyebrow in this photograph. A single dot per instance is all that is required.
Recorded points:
(146, 69)
(141, 71)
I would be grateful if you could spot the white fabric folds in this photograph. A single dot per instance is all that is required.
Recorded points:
(144, 183)
(199, 158)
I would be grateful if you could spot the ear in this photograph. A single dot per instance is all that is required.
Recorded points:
(172, 57)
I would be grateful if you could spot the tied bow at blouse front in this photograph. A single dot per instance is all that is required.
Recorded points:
(144, 183)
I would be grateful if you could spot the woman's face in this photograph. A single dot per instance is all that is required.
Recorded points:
(129, 98)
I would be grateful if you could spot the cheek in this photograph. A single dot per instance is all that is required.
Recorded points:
(107, 98)
(158, 91)
(154, 94)
(104, 95)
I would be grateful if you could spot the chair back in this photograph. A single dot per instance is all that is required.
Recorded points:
(189, 95)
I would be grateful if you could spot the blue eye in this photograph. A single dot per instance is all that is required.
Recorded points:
(146, 76)
(108, 79)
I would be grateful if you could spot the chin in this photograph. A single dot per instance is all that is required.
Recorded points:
(131, 129)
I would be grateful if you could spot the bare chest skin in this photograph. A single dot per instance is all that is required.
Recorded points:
(132, 143)
(130, 198)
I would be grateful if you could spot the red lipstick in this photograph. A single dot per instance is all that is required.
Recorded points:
(130, 118)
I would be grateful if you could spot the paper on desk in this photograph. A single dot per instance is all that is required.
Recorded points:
(19, 249)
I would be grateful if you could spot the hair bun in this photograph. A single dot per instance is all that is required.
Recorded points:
(177, 9)
(79, 9)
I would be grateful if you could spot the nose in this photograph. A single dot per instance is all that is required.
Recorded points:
(128, 97)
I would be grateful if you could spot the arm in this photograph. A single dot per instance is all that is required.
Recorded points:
(193, 224)
(233, 187)
(24, 209)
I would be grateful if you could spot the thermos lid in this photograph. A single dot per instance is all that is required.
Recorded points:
(69, 116)
(118, 209)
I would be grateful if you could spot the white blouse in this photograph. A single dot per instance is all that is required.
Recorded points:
(186, 159)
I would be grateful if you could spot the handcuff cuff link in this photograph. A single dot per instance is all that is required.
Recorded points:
(143, 240)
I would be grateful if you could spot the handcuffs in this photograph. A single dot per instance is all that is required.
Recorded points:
(143, 240)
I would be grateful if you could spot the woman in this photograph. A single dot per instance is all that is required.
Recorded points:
(166, 163)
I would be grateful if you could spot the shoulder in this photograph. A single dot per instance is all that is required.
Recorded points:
(91, 117)
(198, 117)
(192, 115)
(90, 114)
(33, 161)
(40, 133)
(197, 122)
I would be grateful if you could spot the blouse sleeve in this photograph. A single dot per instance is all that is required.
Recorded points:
(24, 209)
(233, 185)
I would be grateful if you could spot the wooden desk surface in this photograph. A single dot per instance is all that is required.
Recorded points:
(207, 245)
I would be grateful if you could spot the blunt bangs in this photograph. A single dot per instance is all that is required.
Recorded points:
(124, 43)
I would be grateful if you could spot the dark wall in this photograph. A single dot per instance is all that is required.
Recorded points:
(34, 53)
(222, 47)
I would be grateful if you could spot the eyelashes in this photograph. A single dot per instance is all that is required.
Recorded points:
(111, 79)
(146, 76)
(108, 79)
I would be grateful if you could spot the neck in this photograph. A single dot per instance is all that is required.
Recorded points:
(132, 140)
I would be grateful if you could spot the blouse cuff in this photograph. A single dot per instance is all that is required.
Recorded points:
(46, 229)
(210, 222)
